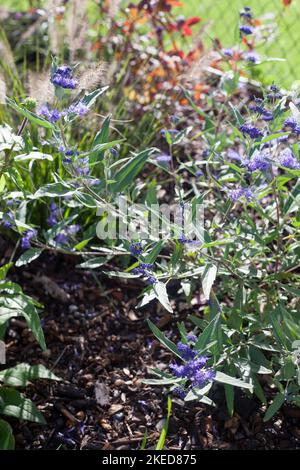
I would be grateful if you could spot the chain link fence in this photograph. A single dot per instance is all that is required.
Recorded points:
(279, 18)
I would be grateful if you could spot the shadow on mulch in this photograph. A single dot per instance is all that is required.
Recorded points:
(102, 349)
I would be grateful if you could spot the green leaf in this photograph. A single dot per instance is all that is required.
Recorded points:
(166, 381)
(208, 335)
(22, 374)
(161, 294)
(54, 189)
(4, 270)
(208, 278)
(93, 263)
(227, 379)
(91, 98)
(9, 140)
(163, 435)
(199, 394)
(130, 170)
(15, 404)
(29, 256)
(275, 406)
(7, 440)
(163, 339)
(33, 156)
(229, 394)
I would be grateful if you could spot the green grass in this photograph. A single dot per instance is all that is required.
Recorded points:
(220, 18)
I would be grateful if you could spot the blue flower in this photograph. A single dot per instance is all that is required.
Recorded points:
(180, 392)
(191, 338)
(291, 122)
(80, 109)
(62, 77)
(246, 13)
(228, 52)
(246, 29)
(195, 370)
(136, 249)
(26, 239)
(52, 115)
(252, 131)
(8, 221)
(259, 161)
(81, 166)
(143, 268)
(236, 194)
(274, 94)
(164, 158)
(186, 351)
(53, 217)
(288, 160)
(251, 57)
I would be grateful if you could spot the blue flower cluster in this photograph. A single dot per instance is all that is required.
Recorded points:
(8, 221)
(62, 238)
(63, 77)
(246, 13)
(236, 194)
(136, 249)
(288, 160)
(292, 123)
(252, 131)
(251, 56)
(259, 161)
(246, 29)
(53, 216)
(51, 114)
(144, 270)
(274, 94)
(194, 370)
(26, 239)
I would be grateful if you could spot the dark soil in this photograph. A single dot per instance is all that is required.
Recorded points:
(102, 349)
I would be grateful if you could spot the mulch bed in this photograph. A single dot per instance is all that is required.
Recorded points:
(102, 348)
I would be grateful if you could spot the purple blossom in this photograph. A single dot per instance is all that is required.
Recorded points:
(194, 370)
(246, 29)
(246, 13)
(61, 238)
(80, 109)
(26, 239)
(186, 351)
(228, 52)
(8, 220)
(164, 158)
(52, 115)
(82, 166)
(191, 337)
(252, 131)
(52, 219)
(288, 160)
(180, 392)
(251, 57)
(169, 131)
(236, 194)
(291, 122)
(143, 270)
(259, 161)
(136, 249)
(73, 229)
(274, 94)
(62, 77)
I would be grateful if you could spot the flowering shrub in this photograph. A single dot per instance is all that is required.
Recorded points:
(231, 169)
